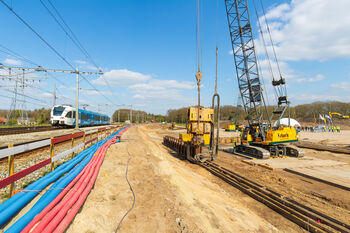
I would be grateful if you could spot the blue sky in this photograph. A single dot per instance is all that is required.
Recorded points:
(147, 50)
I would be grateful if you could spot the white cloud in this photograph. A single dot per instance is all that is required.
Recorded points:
(309, 98)
(158, 84)
(86, 65)
(342, 85)
(278, 11)
(94, 92)
(12, 62)
(138, 96)
(160, 94)
(122, 77)
(310, 29)
(317, 78)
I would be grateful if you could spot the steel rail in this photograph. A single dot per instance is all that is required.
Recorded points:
(304, 216)
(30, 129)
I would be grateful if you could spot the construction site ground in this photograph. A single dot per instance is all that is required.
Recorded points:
(174, 195)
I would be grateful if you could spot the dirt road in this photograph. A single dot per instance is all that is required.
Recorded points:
(172, 195)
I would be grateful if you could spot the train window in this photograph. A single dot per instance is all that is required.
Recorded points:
(74, 114)
(57, 111)
(79, 115)
(69, 114)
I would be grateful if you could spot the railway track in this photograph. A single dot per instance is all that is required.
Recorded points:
(306, 217)
(31, 129)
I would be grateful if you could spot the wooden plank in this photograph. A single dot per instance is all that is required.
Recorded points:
(23, 173)
(66, 137)
(23, 148)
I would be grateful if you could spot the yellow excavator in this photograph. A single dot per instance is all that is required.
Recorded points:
(259, 138)
(341, 116)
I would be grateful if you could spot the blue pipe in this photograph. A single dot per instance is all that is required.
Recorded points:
(17, 202)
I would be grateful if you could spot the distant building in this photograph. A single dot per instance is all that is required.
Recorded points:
(23, 121)
(2, 120)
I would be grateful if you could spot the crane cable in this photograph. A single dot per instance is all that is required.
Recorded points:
(266, 52)
(272, 45)
(217, 52)
(216, 144)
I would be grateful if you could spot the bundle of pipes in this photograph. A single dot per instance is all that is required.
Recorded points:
(58, 206)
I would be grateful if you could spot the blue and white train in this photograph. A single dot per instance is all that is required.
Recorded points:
(64, 115)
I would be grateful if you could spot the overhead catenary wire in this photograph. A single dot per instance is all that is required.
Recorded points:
(73, 38)
(73, 34)
(51, 47)
(16, 55)
(26, 101)
(65, 31)
(20, 57)
(37, 34)
(21, 94)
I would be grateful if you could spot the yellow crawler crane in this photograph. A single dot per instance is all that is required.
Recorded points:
(259, 139)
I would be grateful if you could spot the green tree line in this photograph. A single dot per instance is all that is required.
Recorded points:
(138, 116)
(38, 116)
(303, 112)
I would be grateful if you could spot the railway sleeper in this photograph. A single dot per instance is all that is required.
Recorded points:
(303, 217)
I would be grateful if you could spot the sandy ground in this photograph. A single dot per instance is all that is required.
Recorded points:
(172, 195)
(325, 138)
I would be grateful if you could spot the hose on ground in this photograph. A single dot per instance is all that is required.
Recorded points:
(133, 193)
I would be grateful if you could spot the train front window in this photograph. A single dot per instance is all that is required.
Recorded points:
(57, 111)
(69, 114)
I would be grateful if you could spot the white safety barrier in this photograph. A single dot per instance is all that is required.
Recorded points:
(23, 148)
(101, 136)
(91, 131)
(67, 152)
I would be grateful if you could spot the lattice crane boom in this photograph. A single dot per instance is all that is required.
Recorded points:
(245, 61)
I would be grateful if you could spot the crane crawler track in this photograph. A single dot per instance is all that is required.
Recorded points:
(294, 151)
(263, 153)
(255, 151)
(304, 216)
